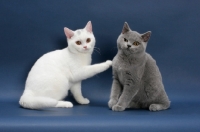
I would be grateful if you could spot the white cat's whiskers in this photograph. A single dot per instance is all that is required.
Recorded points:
(97, 50)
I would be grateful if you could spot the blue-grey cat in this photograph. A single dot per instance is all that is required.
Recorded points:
(137, 82)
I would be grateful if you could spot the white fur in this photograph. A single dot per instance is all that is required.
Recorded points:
(58, 71)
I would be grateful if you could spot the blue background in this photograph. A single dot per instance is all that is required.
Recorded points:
(31, 28)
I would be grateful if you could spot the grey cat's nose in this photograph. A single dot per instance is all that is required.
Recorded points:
(128, 46)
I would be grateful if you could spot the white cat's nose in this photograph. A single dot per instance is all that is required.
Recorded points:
(85, 47)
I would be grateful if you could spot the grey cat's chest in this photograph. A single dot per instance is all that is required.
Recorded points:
(126, 68)
(122, 71)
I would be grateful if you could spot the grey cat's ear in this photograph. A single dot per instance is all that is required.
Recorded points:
(125, 28)
(88, 27)
(146, 36)
(69, 33)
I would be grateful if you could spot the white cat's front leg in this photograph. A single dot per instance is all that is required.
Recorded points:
(89, 71)
(76, 91)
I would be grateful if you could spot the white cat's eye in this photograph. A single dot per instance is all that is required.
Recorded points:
(136, 43)
(88, 40)
(125, 40)
(78, 42)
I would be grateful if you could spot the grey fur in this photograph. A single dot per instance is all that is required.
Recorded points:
(137, 82)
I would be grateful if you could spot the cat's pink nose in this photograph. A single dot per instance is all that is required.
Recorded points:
(85, 47)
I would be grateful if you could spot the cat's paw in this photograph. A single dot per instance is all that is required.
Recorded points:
(111, 103)
(109, 62)
(64, 104)
(158, 107)
(84, 101)
(118, 108)
(154, 107)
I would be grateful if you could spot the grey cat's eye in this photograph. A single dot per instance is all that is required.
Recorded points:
(125, 40)
(136, 43)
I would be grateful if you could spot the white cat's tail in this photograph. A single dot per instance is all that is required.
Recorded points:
(32, 102)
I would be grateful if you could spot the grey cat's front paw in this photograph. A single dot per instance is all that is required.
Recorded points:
(158, 107)
(118, 108)
(153, 107)
(111, 103)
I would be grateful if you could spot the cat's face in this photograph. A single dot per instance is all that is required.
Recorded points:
(81, 40)
(131, 42)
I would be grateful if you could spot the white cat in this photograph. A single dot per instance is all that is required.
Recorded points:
(58, 71)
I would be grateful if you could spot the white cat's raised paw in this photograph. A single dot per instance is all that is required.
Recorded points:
(109, 62)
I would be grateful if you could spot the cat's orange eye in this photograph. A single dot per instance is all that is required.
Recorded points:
(78, 42)
(88, 40)
(125, 40)
(136, 43)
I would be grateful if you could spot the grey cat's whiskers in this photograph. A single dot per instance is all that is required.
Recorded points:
(113, 48)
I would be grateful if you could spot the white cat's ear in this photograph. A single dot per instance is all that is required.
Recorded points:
(125, 28)
(88, 27)
(69, 33)
(146, 36)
